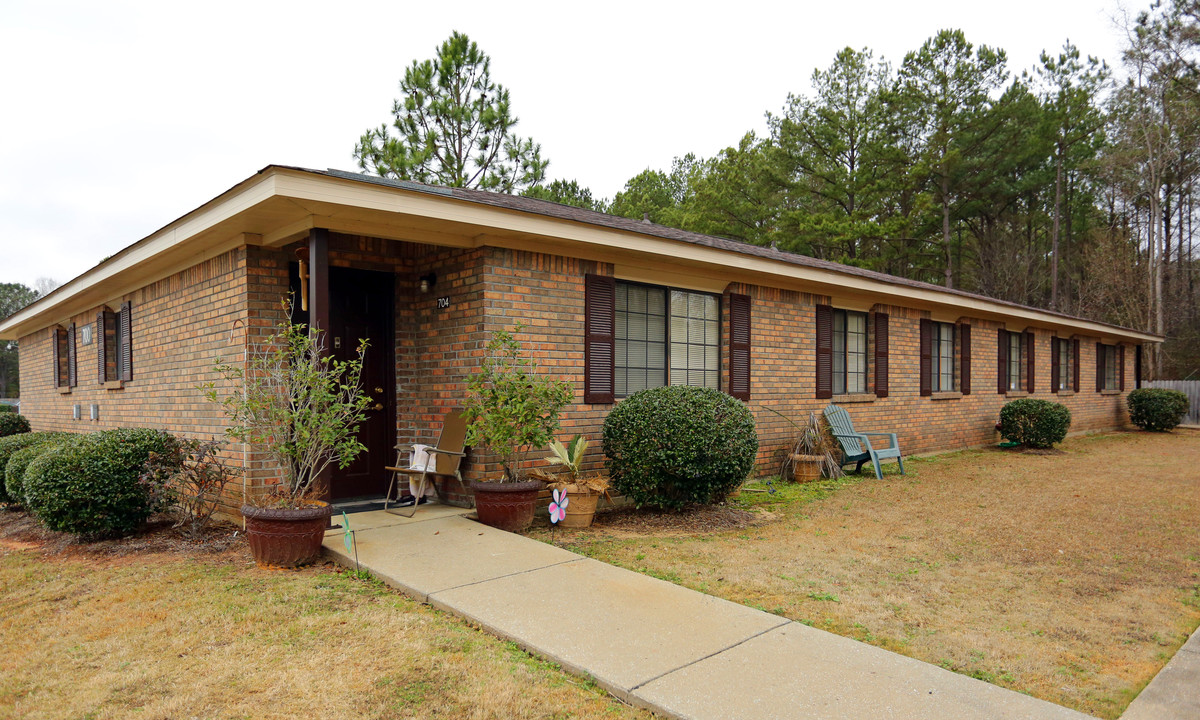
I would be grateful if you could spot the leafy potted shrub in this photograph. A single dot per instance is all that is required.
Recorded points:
(676, 445)
(814, 451)
(1157, 409)
(584, 489)
(303, 408)
(510, 407)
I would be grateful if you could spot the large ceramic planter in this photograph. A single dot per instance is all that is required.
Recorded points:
(285, 537)
(506, 506)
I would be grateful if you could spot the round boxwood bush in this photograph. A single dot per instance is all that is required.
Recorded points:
(676, 445)
(1157, 409)
(89, 484)
(13, 443)
(14, 472)
(1035, 423)
(13, 424)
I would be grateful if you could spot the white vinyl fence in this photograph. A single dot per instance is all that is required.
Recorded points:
(1191, 388)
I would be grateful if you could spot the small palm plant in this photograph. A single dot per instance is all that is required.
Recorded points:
(570, 456)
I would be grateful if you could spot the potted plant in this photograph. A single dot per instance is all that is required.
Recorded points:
(302, 407)
(510, 407)
(583, 489)
(813, 452)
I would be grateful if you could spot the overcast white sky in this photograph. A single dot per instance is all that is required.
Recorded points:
(118, 117)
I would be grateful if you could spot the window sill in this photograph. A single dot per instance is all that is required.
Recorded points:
(1110, 392)
(63, 390)
(952, 395)
(1065, 393)
(855, 398)
(1016, 394)
(113, 385)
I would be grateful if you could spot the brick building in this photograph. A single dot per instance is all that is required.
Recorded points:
(610, 304)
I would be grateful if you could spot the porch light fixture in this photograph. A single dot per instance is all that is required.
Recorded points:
(428, 281)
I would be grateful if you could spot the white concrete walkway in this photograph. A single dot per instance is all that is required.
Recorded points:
(675, 651)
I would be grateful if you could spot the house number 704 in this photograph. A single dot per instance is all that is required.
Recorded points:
(443, 303)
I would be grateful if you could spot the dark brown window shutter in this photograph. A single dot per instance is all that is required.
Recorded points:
(1137, 367)
(1055, 370)
(71, 376)
(59, 351)
(1030, 342)
(101, 353)
(964, 362)
(1002, 361)
(107, 346)
(881, 354)
(1075, 358)
(1121, 368)
(926, 356)
(1099, 367)
(126, 323)
(739, 346)
(600, 330)
(824, 352)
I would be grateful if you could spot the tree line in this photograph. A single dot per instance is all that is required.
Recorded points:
(1069, 186)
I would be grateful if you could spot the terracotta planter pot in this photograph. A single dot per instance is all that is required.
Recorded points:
(506, 506)
(806, 468)
(284, 537)
(581, 507)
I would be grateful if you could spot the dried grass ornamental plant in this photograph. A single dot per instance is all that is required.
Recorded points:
(299, 404)
(511, 406)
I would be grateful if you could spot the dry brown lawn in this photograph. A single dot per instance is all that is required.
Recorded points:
(1072, 576)
(157, 630)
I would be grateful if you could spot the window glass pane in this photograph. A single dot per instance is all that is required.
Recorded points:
(678, 303)
(656, 327)
(640, 338)
(656, 301)
(695, 338)
(678, 327)
(679, 356)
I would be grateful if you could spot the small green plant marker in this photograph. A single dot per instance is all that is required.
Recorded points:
(350, 541)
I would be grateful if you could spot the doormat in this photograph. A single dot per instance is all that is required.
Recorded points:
(357, 505)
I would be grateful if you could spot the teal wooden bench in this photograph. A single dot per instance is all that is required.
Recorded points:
(856, 446)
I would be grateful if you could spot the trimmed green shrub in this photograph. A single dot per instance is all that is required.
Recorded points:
(14, 472)
(676, 445)
(1034, 423)
(10, 445)
(13, 424)
(6, 408)
(1157, 409)
(90, 485)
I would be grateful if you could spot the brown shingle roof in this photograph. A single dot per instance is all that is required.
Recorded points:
(591, 217)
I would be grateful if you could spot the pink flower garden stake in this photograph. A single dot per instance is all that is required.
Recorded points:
(558, 508)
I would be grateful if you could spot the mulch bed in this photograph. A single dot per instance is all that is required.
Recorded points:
(693, 521)
(19, 530)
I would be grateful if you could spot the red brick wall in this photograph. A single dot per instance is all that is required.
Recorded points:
(180, 326)
(182, 323)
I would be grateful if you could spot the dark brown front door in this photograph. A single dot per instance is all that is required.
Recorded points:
(362, 306)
